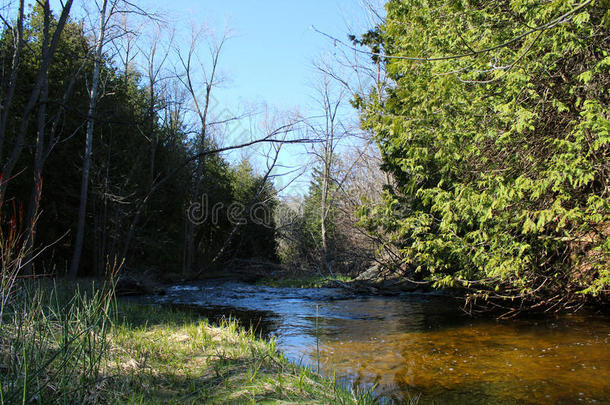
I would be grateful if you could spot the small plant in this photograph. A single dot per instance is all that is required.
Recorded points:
(301, 380)
(253, 372)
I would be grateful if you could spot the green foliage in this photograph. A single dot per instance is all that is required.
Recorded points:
(256, 236)
(495, 128)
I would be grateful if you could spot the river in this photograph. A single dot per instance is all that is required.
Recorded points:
(420, 344)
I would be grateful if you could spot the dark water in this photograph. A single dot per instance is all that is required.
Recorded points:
(421, 344)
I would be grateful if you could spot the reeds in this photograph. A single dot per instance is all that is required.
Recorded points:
(53, 341)
(52, 337)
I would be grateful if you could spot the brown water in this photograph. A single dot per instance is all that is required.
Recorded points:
(564, 361)
(420, 345)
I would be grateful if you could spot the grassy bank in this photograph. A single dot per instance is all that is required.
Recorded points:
(77, 344)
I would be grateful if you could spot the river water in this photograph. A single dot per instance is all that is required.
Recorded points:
(420, 344)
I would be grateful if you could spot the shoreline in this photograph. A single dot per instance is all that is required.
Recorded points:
(376, 286)
(109, 350)
(201, 361)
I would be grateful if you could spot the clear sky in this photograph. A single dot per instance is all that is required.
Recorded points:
(269, 58)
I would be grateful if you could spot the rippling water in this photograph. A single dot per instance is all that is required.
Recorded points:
(421, 344)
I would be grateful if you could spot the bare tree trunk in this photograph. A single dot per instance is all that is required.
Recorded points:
(331, 108)
(153, 72)
(47, 48)
(323, 210)
(82, 211)
(40, 148)
(12, 84)
(202, 110)
(324, 207)
(45, 62)
(153, 136)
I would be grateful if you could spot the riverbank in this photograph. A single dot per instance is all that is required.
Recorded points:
(170, 355)
(377, 282)
(371, 282)
(305, 281)
(86, 346)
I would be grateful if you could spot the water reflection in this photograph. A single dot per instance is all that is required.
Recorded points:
(422, 344)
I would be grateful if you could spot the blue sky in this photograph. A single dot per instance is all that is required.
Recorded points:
(270, 54)
(269, 58)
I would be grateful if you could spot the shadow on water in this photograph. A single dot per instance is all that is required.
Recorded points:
(261, 322)
(419, 344)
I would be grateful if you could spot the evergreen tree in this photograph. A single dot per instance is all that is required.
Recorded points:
(495, 127)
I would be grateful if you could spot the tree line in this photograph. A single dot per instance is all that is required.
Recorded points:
(104, 146)
(479, 162)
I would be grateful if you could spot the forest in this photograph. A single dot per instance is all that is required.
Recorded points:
(457, 149)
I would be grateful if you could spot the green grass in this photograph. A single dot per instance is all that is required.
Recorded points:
(304, 281)
(77, 344)
(53, 341)
(173, 357)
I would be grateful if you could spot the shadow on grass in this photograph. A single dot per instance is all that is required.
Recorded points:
(225, 380)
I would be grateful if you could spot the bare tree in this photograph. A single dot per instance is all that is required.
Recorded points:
(107, 31)
(38, 97)
(192, 68)
(357, 70)
(154, 62)
(357, 176)
(126, 46)
(330, 130)
(8, 89)
(40, 83)
(106, 10)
